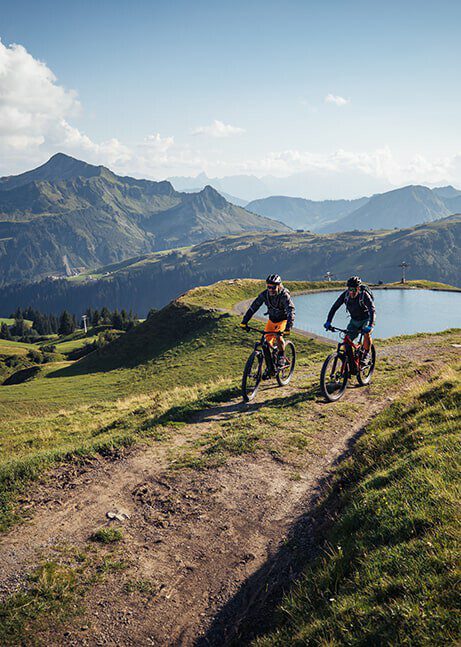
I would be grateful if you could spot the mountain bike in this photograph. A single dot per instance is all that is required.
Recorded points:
(345, 362)
(263, 364)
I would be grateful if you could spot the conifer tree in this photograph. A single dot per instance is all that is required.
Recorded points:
(66, 323)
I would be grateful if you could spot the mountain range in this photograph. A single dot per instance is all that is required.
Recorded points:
(312, 184)
(68, 215)
(405, 207)
(432, 250)
(299, 213)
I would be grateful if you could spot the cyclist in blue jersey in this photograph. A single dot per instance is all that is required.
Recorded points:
(359, 303)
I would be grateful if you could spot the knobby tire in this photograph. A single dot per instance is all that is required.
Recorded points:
(334, 376)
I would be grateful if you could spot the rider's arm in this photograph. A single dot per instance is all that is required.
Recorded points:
(337, 304)
(257, 303)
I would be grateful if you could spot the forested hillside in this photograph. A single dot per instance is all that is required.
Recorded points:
(433, 251)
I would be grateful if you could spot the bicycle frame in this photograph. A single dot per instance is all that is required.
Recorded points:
(266, 348)
(349, 349)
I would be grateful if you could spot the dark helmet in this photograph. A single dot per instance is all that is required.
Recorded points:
(354, 282)
(274, 278)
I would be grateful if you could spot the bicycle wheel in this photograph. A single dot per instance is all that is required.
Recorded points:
(284, 374)
(366, 371)
(252, 376)
(334, 376)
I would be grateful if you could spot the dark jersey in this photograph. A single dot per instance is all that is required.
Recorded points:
(280, 306)
(360, 308)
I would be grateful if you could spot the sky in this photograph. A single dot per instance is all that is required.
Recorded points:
(356, 95)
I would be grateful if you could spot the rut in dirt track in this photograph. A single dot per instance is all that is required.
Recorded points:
(208, 543)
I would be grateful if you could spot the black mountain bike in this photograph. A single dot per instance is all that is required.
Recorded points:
(263, 365)
(346, 361)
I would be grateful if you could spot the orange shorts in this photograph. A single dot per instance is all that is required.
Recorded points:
(272, 327)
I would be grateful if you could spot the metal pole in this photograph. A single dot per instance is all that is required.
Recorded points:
(404, 266)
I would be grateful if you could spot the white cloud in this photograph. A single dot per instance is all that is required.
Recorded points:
(337, 100)
(218, 129)
(156, 143)
(36, 115)
(35, 112)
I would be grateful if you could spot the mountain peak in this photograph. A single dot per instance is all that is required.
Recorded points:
(212, 196)
(63, 166)
(58, 167)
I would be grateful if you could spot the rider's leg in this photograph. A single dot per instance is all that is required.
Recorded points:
(281, 345)
(367, 342)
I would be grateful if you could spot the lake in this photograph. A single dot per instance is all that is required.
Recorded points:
(398, 312)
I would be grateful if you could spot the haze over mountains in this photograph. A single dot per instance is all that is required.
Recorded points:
(405, 207)
(68, 214)
(299, 213)
(317, 184)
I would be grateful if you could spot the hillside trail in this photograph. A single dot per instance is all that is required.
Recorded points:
(195, 541)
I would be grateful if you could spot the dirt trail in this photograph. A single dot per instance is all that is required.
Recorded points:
(195, 537)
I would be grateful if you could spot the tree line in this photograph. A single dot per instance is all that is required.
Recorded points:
(64, 324)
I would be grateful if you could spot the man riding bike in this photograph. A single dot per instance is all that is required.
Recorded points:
(359, 303)
(281, 311)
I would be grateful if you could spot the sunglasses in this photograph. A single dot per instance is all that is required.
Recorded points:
(270, 286)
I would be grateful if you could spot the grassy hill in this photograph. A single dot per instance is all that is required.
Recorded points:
(433, 251)
(387, 571)
(88, 405)
(391, 550)
(68, 214)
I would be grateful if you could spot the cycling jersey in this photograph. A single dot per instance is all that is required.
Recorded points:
(280, 306)
(360, 307)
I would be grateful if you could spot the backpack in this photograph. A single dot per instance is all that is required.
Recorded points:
(363, 288)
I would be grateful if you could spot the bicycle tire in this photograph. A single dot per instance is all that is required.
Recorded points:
(365, 378)
(249, 391)
(330, 367)
(285, 374)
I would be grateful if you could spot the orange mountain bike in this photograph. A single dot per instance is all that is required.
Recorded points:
(348, 360)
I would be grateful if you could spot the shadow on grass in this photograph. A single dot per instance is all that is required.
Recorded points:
(230, 410)
(252, 611)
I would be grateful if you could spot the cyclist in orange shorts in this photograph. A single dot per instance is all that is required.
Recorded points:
(281, 311)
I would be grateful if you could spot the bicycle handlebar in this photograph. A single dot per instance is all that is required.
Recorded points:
(334, 329)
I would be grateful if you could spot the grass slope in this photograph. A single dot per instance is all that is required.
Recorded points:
(389, 571)
(119, 394)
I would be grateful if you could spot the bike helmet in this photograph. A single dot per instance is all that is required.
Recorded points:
(354, 282)
(274, 278)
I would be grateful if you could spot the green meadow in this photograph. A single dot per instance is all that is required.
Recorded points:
(388, 570)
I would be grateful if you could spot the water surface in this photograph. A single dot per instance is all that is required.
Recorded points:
(398, 312)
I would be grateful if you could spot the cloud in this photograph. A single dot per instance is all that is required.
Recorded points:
(218, 129)
(337, 100)
(380, 164)
(36, 115)
(35, 112)
(156, 143)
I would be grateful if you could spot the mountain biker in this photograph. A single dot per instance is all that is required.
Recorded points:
(359, 304)
(281, 311)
